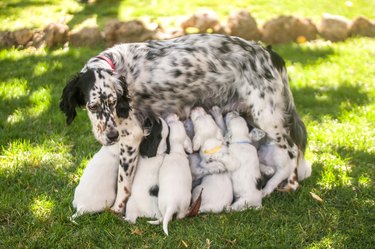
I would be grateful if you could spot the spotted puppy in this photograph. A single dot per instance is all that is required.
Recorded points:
(174, 177)
(96, 190)
(143, 201)
(246, 179)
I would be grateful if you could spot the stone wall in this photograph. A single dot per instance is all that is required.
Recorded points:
(282, 29)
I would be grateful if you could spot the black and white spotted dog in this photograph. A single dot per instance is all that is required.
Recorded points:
(171, 76)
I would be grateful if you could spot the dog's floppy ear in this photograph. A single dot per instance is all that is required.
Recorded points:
(149, 145)
(71, 97)
(123, 102)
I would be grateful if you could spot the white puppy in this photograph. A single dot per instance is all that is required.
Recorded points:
(143, 201)
(96, 190)
(217, 189)
(174, 176)
(246, 179)
(209, 140)
(273, 161)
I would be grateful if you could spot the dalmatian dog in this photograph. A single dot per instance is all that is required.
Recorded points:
(246, 179)
(96, 190)
(175, 179)
(171, 76)
(143, 201)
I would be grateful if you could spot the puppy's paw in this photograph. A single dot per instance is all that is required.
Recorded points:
(130, 220)
(215, 167)
(266, 170)
(118, 208)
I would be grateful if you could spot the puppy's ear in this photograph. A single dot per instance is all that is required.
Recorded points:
(149, 145)
(123, 102)
(71, 97)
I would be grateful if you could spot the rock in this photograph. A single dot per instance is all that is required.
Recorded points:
(131, 31)
(242, 24)
(56, 34)
(86, 37)
(202, 20)
(362, 27)
(38, 39)
(334, 28)
(6, 39)
(22, 36)
(285, 29)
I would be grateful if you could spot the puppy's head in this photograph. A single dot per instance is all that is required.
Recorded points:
(105, 97)
(196, 113)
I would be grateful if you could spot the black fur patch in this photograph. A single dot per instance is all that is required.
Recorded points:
(150, 144)
(258, 184)
(154, 191)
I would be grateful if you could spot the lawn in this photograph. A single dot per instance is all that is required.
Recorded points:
(41, 159)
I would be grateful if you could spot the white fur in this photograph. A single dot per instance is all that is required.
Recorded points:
(175, 177)
(209, 139)
(141, 203)
(217, 191)
(96, 190)
(246, 178)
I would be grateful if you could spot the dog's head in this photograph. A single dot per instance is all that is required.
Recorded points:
(105, 96)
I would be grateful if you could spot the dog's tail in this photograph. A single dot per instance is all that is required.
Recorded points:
(167, 217)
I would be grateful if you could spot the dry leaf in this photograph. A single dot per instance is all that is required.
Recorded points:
(137, 231)
(316, 197)
(194, 209)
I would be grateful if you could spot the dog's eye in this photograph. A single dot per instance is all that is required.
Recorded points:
(92, 107)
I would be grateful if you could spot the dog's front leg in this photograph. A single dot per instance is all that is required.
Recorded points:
(129, 153)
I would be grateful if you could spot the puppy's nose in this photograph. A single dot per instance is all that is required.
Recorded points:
(112, 135)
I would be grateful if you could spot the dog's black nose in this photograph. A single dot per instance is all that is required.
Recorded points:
(112, 135)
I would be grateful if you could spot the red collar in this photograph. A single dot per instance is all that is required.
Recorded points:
(108, 60)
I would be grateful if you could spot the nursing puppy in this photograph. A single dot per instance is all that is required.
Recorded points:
(209, 140)
(143, 201)
(216, 189)
(273, 164)
(246, 179)
(96, 190)
(174, 176)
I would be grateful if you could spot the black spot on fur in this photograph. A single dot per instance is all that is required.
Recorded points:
(283, 183)
(258, 184)
(121, 178)
(291, 155)
(224, 48)
(154, 191)
(176, 73)
(276, 59)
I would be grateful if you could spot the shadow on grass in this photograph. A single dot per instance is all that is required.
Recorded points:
(102, 9)
(329, 101)
(302, 54)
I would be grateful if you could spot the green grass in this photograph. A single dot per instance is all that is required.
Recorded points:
(41, 159)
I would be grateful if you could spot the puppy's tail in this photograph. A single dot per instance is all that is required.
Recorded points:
(167, 217)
